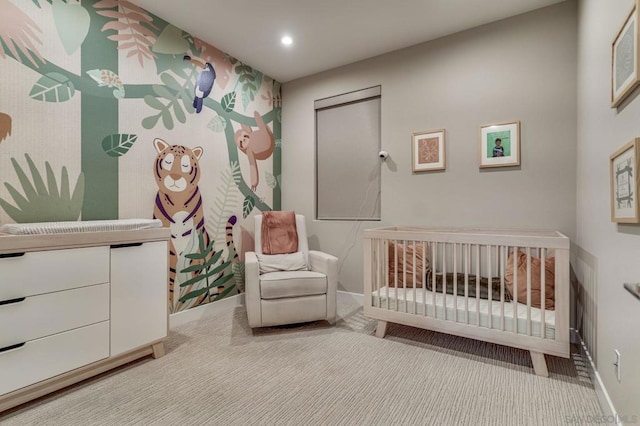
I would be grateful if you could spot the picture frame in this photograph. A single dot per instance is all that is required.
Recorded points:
(500, 144)
(625, 51)
(624, 165)
(428, 151)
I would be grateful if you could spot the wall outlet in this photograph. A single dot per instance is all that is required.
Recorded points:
(617, 364)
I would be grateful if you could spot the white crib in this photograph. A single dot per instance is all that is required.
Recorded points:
(447, 292)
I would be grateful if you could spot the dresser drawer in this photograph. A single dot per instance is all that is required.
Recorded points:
(43, 358)
(51, 313)
(41, 272)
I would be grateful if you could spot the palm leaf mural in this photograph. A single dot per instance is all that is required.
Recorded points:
(5, 126)
(226, 201)
(134, 27)
(208, 280)
(182, 263)
(42, 202)
(248, 205)
(18, 34)
(238, 273)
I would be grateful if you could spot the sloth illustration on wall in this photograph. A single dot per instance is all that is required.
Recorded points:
(258, 145)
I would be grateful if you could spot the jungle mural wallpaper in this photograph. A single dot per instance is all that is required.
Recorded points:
(109, 112)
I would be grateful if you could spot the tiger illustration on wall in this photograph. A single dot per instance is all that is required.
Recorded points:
(178, 202)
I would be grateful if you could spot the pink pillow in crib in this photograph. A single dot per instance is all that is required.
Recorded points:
(422, 258)
(536, 280)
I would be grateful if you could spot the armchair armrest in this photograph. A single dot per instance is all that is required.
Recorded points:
(252, 289)
(328, 265)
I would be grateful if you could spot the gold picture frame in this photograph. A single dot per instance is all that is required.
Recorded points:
(500, 144)
(625, 51)
(428, 151)
(624, 165)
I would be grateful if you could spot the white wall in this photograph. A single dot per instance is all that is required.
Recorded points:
(522, 68)
(602, 130)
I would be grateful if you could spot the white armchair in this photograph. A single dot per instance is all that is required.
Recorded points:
(289, 297)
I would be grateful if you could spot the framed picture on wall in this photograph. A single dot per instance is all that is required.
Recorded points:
(500, 144)
(624, 62)
(428, 151)
(624, 167)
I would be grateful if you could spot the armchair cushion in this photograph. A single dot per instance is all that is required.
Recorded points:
(277, 285)
(282, 262)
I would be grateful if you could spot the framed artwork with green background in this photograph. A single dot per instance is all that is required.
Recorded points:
(500, 144)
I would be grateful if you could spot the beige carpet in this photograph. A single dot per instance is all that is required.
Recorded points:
(217, 371)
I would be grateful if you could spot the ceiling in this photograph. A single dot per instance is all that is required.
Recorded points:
(326, 33)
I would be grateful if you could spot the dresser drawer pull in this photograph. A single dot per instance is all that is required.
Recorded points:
(12, 301)
(8, 348)
(8, 255)
(115, 246)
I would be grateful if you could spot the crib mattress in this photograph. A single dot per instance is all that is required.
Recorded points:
(79, 226)
(446, 306)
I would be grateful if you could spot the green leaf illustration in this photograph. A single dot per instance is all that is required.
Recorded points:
(167, 120)
(228, 101)
(53, 87)
(271, 180)
(150, 122)
(217, 124)
(37, 3)
(278, 143)
(171, 41)
(170, 81)
(251, 80)
(42, 202)
(226, 201)
(238, 273)
(118, 144)
(178, 112)
(154, 103)
(248, 205)
(162, 91)
(72, 22)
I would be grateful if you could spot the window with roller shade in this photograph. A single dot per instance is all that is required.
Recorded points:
(348, 140)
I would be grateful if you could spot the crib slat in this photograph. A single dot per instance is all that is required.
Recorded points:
(515, 289)
(467, 248)
(478, 285)
(380, 269)
(502, 297)
(490, 287)
(543, 301)
(455, 282)
(415, 283)
(404, 274)
(444, 281)
(433, 278)
(424, 278)
(529, 291)
(395, 275)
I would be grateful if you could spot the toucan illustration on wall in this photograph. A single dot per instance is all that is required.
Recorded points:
(204, 84)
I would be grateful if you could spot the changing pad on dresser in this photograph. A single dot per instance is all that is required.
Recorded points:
(79, 226)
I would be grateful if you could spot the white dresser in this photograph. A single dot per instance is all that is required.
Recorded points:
(75, 305)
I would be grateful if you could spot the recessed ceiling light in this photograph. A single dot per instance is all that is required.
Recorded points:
(286, 40)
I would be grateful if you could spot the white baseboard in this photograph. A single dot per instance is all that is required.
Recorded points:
(180, 318)
(606, 405)
(346, 297)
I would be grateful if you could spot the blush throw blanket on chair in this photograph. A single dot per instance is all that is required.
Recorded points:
(279, 232)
